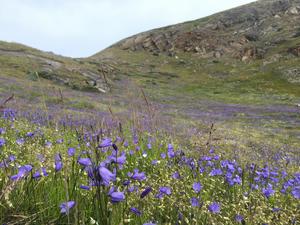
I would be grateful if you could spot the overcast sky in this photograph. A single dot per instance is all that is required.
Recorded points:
(80, 28)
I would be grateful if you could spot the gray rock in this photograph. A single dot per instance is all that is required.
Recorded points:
(293, 11)
(292, 75)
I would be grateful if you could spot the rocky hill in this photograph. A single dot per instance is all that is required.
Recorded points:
(254, 31)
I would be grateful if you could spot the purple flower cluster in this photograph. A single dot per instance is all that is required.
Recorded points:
(22, 172)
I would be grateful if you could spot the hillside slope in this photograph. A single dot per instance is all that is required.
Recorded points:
(248, 54)
(254, 31)
(23, 61)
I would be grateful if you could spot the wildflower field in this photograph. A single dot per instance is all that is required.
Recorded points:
(104, 172)
(194, 123)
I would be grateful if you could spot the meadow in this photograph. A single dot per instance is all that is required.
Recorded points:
(193, 123)
(78, 170)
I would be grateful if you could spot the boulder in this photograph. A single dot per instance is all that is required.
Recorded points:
(127, 44)
(295, 51)
(293, 11)
(292, 75)
(277, 16)
(217, 54)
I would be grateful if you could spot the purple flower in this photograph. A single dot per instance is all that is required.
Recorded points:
(118, 159)
(85, 161)
(71, 151)
(111, 190)
(132, 189)
(23, 171)
(268, 192)
(195, 202)
(284, 174)
(106, 175)
(11, 158)
(276, 209)
(117, 197)
(48, 144)
(9, 114)
(58, 163)
(150, 223)
(135, 211)
(154, 162)
(39, 174)
(197, 187)
(239, 218)
(214, 208)
(176, 176)
(216, 172)
(20, 141)
(171, 153)
(66, 206)
(84, 187)
(2, 130)
(57, 157)
(170, 147)
(233, 180)
(163, 191)
(237, 179)
(44, 171)
(59, 141)
(2, 142)
(41, 157)
(3, 164)
(138, 176)
(106, 143)
(126, 182)
(206, 158)
(217, 157)
(135, 139)
(29, 134)
(146, 192)
(149, 146)
(296, 192)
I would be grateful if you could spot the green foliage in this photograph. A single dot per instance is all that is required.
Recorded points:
(83, 105)
(33, 76)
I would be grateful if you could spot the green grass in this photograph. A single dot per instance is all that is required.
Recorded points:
(36, 201)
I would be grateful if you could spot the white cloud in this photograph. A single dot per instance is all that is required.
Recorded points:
(80, 28)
